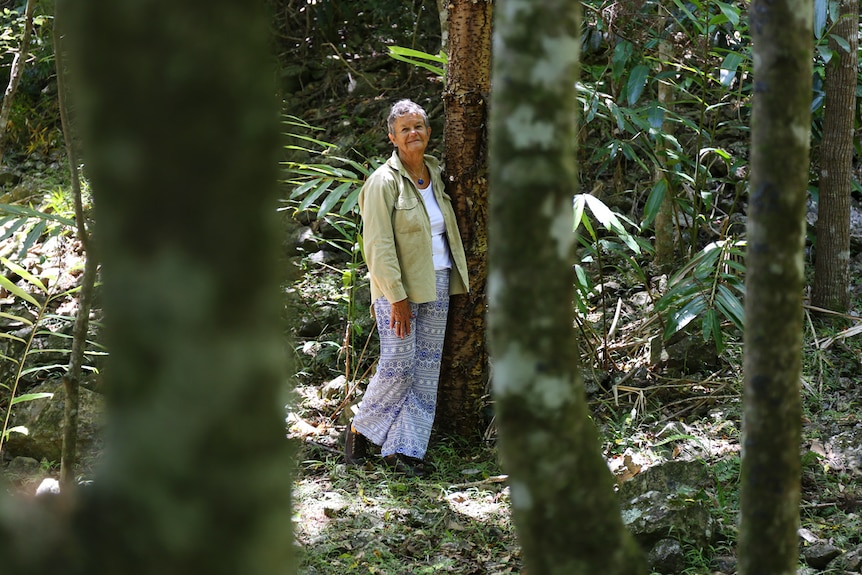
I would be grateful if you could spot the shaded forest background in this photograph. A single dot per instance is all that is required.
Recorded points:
(661, 342)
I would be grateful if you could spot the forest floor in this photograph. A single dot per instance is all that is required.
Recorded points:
(457, 520)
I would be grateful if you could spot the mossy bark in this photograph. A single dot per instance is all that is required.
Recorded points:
(831, 288)
(464, 374)
(770, 482)
(565, 510)
(180, 126)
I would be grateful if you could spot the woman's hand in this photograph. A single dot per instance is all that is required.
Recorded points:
(400, 318)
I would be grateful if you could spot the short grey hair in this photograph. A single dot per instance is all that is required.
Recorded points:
(404, 108)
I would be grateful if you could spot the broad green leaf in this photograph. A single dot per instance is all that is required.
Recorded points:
(14, 227)
(27, 212)
(609, 220)
(730, 305)
(728, 68)
(333, 198)
(637, 82)
(350, 201)
(655, 116)
(706, 324)
(14, 317)
(17, 291)
(301, 190)
(315, 193)
(17, 429)
(32, 237)
(30, 397)
(730, 11)
(844, 44)
(10, 337)
(821, 9)
(682, 317)
(38, 368)
(31, 279)
(825, 52)
(420, 59)
(653, 203)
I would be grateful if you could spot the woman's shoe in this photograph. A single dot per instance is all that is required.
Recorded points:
(409, 466)
(355, 446)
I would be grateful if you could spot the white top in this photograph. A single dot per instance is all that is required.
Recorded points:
(442, 259)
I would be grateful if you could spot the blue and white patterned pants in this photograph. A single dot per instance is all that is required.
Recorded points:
(397, 410)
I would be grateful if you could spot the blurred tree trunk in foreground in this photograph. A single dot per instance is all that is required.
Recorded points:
(831, 289)
(464, 374)
(780, 135)
(180, 128)
(565, 510)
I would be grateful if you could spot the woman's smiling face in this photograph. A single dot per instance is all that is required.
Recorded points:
(410, 134)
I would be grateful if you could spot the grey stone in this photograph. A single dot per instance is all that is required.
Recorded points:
(819, 555)
(848, 562)
(43, 419)
(690, 354)
(23, 466)
(667, 557)
(656, 504)
(670, 477)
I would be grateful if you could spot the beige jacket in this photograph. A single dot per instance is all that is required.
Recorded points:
(397, 235)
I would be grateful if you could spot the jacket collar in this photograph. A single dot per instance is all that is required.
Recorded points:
(395, 163)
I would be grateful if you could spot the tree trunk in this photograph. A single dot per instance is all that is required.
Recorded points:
(770, 481)
(464, 374)
(443, 14)
(832, 263)
(15, 74)
(71, 381)
(180, 127)
(563, 503)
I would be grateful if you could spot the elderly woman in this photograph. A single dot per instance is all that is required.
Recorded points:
(416, 261)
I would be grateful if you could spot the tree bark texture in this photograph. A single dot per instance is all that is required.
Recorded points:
(180, 127)
(71, 382)
(464, 374)
(770, 482)
(832, 263)
(15, 74)
(563, 504)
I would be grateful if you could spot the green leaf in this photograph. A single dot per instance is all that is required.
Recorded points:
(821, 9)
(303, 189)
(637, 82)
(17, 429)
(420, 59)
(706, 324)
(26, 212)
(26, 275)
(14, 317)
(333, 198)
(9, 336)
(350, 201)
(844, 44)
(653, 203)
(32, 237)
(17, 291)
(684, 316)
(730, 306)
(730, 11)
(728, 68)
(610, 221)
(30, 397)
(312, 197)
